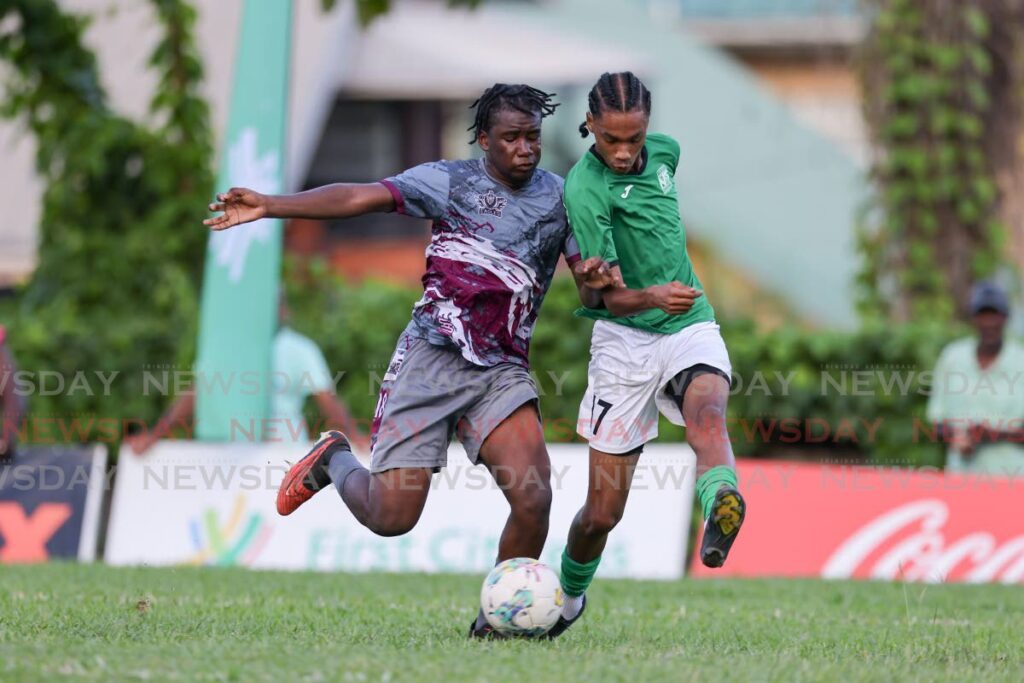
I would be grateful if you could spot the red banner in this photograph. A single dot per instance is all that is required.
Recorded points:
(876, 523)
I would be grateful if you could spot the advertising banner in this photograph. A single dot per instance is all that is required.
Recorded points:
(876, 523)
(50, 499)
(209, 504)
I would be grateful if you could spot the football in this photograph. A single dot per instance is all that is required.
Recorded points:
(522, 596)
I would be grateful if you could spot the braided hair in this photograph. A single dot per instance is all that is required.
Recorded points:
(621, 91)
(503, 96)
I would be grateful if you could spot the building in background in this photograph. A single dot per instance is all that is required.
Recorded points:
(760, 95)
(804, 51)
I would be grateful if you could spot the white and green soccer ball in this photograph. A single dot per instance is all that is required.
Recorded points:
(522, 597)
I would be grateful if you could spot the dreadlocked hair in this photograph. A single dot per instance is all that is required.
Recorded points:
(621, 91)
(503, 96)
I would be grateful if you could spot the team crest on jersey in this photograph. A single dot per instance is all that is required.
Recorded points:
(490, 203)
(665, 179)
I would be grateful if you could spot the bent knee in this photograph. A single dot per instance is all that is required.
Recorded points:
(708, 425)
(533, 503)
(599, 522)
(393, 525)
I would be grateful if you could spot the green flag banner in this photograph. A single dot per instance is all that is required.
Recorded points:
(238, 315)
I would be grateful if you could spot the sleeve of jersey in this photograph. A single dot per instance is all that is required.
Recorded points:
(675, 155)
(571, 249)
(421, 191)
(590, 220)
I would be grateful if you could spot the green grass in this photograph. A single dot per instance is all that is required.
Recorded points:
(63, 622)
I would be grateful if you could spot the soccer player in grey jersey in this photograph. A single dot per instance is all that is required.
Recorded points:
(461, 365)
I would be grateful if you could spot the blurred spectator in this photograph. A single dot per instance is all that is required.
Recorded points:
(977, 400)
(11, 406)
(298, 371)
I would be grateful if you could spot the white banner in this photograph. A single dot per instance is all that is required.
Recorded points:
(214, 504)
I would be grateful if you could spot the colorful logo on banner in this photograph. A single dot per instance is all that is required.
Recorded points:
(238, 541)
(876, 523)
(23, 536)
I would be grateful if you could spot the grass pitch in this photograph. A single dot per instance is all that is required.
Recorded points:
(73, 622)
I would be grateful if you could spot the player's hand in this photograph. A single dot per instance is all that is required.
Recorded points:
(674, 298)
(595, 273)
(239, 205)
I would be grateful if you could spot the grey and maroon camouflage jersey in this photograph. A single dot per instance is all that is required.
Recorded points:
(491, 258)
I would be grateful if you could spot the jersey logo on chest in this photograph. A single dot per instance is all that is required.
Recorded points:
(490, 203)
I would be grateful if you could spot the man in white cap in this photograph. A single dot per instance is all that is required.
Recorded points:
(977, 399)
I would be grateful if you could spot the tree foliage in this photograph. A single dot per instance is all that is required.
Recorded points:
(368, 10)
(121, 244)
(942, 85)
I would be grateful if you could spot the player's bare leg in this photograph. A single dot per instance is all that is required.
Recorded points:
(387, 503)
(704, 409)
(610, 479)
(517, 458)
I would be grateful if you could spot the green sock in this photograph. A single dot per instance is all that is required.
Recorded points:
(710, 482)
(576, 576)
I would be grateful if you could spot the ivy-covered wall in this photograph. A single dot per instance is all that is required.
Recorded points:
(942, 82)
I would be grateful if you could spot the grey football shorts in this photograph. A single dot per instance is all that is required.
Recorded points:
(430, 394)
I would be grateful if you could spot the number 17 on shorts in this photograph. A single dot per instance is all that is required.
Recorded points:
(615, 422)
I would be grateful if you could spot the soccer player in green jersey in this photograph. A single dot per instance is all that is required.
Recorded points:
(655, 345)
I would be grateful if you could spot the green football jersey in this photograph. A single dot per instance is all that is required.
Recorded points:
(633, 221)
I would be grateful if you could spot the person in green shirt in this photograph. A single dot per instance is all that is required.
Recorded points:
(977, 398)
(655, 345)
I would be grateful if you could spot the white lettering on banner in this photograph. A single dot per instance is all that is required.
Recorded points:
(925, 555)
(448, 549)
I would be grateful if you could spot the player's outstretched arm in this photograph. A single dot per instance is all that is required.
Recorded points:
(341, 200)
(674, 298)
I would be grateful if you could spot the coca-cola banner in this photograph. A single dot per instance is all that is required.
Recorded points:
(876, 523)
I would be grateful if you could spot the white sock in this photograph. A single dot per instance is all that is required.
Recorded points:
(572, 606)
